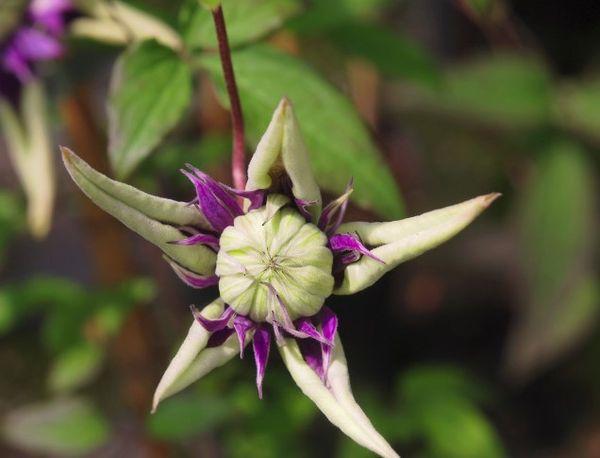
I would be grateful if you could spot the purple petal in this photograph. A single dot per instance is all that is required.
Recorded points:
(242, 325)
(333, 214)
(308, 330)
(329, 324)
(200, 239)
(313, 355)
(256, 198)
(222, 192)
(350, 242)
(51, 14)
(16, 64)
(261, 344)
(191, 278)
(35, 45)
(213, 325)
(218, 338)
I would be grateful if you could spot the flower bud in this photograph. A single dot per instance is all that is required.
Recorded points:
(273, 265)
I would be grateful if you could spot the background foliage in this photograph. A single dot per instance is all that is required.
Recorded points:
(486, 347)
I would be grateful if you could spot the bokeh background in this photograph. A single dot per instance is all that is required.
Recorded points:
(486, 347)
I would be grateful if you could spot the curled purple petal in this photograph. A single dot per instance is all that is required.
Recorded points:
(218, 338)
(215, 201)
(242, 325)
(308, 330)
(222, 192)
(261, 344)
(350, 243)
(213, 325)
(209, 240)
(191, 278)
(257, 198)
(333, 214)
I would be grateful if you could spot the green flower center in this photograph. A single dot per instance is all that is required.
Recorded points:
(272, 258)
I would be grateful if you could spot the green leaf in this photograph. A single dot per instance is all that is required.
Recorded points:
(322, 15)
(187, 415)
(339, 144)
(150, 90)
(75, 367)
(500, 91)
(393, 54)
(556, 243)
(64, 427)
(247, 20)
(578, 109)
(438, 404)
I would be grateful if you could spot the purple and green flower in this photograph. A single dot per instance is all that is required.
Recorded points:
(276, 254)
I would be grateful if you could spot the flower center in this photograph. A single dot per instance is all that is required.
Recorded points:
(273, 265)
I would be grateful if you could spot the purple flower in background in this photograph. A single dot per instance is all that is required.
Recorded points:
(36, 38)
(276, 255)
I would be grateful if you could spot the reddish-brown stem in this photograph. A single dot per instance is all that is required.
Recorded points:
(238, 155)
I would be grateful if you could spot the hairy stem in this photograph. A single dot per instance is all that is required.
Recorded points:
(238, 159)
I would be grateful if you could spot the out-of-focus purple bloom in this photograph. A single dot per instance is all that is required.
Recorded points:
(36, 38)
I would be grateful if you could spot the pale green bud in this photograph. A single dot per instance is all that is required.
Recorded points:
(280, 151)
(273, 249)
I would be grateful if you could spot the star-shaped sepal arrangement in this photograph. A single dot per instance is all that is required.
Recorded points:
(276, 254)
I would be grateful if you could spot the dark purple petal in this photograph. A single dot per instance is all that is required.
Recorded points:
(308, 330)
(212, 208)
(200, 239)
(329, 324)
(242, 325)
(213, 325)
(333, 214)
(222, 192)
(191, 278)
(261, 344)
(257, 198)
(313, 355)
(351, 243)
(218, 338)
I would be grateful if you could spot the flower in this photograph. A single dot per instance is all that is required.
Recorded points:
(35, 38)
(276, 255)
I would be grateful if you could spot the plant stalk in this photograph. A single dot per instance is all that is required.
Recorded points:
(238, 155)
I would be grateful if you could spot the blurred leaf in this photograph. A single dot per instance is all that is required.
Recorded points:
(209, 151)
(62, 427)
(339, 144)
(150, 89)
(247, 20)
(7, 313)
(557, 238)
(322, 15)
(12, 11)
(393, 54)
(500, 91)
(75, 367)
(11, 219)
(578, 108)
(439, 402)
(187, 415)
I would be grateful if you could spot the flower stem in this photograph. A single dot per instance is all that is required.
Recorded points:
(238, 156)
